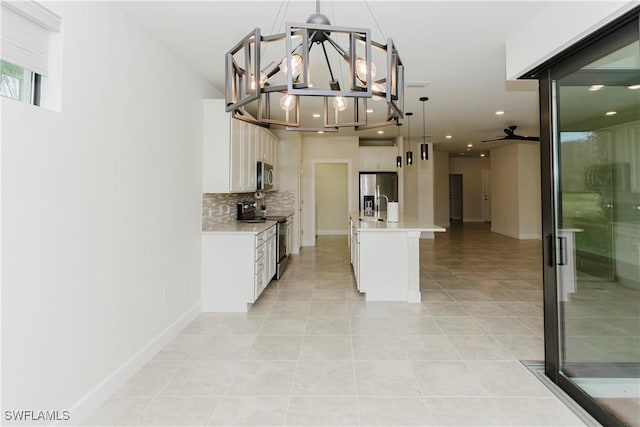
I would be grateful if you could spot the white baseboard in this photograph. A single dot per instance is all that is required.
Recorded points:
(473, 220)
(505, 233)
(519, 236)
(91, 401)
(332, 232)
(526, 236)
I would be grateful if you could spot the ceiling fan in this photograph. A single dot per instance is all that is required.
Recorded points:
(511, 135)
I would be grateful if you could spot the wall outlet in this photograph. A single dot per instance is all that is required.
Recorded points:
(164, 295)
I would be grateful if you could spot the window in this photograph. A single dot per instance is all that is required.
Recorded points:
(25, 38)
(19, 83)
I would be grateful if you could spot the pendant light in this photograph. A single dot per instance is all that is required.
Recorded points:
(409, 152)
(424, 147)
(341, 72)
(398, 157)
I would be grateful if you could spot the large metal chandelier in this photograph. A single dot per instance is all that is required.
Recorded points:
(269, 78)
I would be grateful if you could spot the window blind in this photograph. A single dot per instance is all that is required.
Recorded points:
(25, 34)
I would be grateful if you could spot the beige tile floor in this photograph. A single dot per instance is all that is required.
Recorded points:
(311, 351)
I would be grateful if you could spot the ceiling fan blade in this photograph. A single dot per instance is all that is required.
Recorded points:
(492, 140)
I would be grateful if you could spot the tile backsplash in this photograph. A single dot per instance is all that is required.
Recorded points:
(280, 200)
(221, 208)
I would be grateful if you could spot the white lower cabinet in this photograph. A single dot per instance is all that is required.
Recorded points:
(267, 264)
(355, 252)
(236, 268)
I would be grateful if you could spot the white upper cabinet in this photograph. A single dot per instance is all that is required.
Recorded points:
(374, 159)
(231, 149)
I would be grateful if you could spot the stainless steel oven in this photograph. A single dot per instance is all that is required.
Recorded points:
(283, 231)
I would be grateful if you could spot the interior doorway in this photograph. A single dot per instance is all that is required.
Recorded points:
(455, 197)
(486, 196)
(331, 198)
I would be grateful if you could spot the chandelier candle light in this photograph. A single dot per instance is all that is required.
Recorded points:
(267, 78)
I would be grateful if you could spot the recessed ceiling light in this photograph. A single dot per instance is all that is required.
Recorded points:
(320, 131)
(469, 145)
(633, 87)
(499, 112)
(316, 115)
(369, 110)
(380, 132)
(482, 155)
(448, 136)
(594, 88)
(610, 113)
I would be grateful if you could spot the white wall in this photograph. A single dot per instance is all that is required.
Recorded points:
(331, 198)
(441, 189)
(329, 149)
(504, 190)
(515, 190)
(472, 192)
(556, 27)
(419, 185)
(100, 212)
(529, 191)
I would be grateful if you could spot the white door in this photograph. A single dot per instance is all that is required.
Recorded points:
(486, 196)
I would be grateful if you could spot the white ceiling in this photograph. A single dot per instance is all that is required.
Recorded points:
(455, 46)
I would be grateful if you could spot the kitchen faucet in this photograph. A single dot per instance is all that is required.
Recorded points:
(378, 202)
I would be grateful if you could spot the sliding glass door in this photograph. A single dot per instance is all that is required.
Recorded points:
(591, 108)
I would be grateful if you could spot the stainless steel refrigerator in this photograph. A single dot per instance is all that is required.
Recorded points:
(373, 186)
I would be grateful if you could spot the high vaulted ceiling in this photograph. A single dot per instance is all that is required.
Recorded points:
(455, 47)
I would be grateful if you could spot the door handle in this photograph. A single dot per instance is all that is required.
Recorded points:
(550, 251)
(562, 249)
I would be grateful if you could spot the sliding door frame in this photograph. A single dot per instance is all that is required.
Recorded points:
(583, 52)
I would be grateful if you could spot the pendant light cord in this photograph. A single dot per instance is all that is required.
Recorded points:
(275, 24)
(374, 19)
(424, 131)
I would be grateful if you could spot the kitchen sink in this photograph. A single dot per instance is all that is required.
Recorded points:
(370, 218)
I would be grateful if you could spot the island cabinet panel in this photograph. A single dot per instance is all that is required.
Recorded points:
(386, 256)
(384, 270)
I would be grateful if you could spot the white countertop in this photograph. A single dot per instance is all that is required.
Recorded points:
(239, 227)
(405, 223)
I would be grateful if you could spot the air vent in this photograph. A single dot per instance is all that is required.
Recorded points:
(377, 142)
(416, 84)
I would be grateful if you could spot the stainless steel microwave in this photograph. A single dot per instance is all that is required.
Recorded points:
(266, 176)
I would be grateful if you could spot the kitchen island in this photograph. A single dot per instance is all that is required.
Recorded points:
(386, 255)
